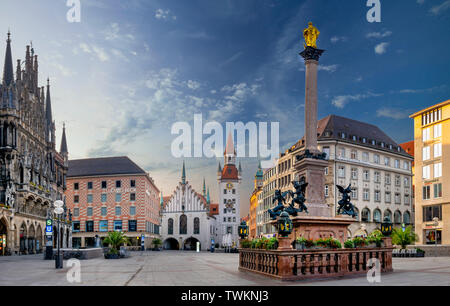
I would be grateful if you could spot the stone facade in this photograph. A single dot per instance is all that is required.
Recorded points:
(432, 179)
(187, 219)
(33, 173)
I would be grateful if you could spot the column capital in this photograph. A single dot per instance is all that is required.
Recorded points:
(311, 53)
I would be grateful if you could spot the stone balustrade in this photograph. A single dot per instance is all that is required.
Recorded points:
(309, 264)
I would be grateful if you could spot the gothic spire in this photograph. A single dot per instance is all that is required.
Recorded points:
(63, 149)
(183, 174)
(204, 187)
(48, 105)
(208, 199)
(8, 72)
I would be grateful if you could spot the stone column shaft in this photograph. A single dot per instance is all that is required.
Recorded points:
(311, 105)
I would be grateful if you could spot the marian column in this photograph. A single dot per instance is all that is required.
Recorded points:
(311, 163)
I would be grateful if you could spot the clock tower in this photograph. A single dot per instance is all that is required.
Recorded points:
(229, 179)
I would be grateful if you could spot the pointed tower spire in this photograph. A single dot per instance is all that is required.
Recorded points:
(204, 187)
(161, 202)
(48, 112)
(230, 152)
(208, 199)
(8, 72)
(183, 174)
(63, 149)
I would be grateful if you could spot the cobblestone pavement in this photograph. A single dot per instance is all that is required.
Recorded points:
(175, 268)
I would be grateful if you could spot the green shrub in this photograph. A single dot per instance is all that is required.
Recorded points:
(403, 238)
(359, 242)
(301, 240)
(309, 243)
(334, 243)
(246, 244)
(349, 244)
(272, 244)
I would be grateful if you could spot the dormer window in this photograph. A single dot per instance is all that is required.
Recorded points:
(354, 138)
(364, 140)
(382, 145)
(374, 142)
(343, 135)
(390, 147)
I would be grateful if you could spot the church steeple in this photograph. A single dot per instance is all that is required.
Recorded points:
(63, 149)
(183, 175)
(208, 199)
(230, 152)
(204, 188)
(50, 137)
(8, 72)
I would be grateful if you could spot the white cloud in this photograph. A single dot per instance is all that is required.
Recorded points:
(330, 68)
(336, 39)
(379, 34)
(341, 101)
(98, 51)
(420, 2)
(193, 85)
(392, 113)
(381, 48)
(164, 14)
(436, 10)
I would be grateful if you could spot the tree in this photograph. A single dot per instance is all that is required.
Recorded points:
(403, 238)
(156, 242)
(115, 240)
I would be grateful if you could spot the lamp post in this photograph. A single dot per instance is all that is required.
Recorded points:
(58, 211)
(243, 230)
(386, 230)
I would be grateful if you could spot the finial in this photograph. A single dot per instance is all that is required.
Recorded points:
(48, 81)
(9, 35)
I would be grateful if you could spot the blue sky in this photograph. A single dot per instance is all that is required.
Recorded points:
(130, 69)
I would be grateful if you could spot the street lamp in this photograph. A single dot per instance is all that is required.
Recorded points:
(243, 230)
(58, 211)
(386, 227)
(284, 225)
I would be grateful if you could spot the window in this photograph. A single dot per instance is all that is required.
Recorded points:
(132, 210)
(132, 183)
(377, 176)
(398, 199)
(431, 212)
(397, 217)
(118, 225)
(118, 197)
(103, 197)
(407, 199)
(426, 192)
(327, 190)
(437, 150)
(76, 212)
(76, 226)
(388, 197)
(354, 155)
(183, 225)
(89, 212)
(406, 182)
(366, 175)
(89, 198)
(398, 181)
(354, 193)
(76, 198)
(387, 161)
(196, 226)
(426, 173)
(376, 158)
(224, 191)
(76, 186)
(341, 152)
(118, 184)
(132, 196)
(387, 179)
(426, 134)
(397, 164)
(89, 185)
(365, 156)
(438, 170)
(377, 196)
(104, 211)
(170, 226)
(354, 173)
(234, 191)
(365, 215)
(104, 185)
(437, 131)
(406, 217)
(366, 194)
(437, 190)
(103, 226)
(388, 214)
(406, 165)
(118, 210)
(326, 171)
(326, 150)
(132, 225)
(377, 216)
(426, 153)
(341, 171)
(89, 226)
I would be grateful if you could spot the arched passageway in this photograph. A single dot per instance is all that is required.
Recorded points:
(190, 244)
(171, 244)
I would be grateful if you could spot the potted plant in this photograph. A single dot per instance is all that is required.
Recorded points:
(333, 243)
(321, 243)
(300, 243)
(359, 242)
(403, 238)
(272, 244)
(310, 244)
(261, 243)
(349, 244)
(156, 244)
(114, 240)
(246, 244)
(420, 253)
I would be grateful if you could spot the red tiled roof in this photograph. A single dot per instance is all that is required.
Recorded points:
(230, 172)
(213, 209)
(408, 147)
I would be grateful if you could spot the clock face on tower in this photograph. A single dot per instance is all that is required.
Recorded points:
(229, 186)
(229, 204)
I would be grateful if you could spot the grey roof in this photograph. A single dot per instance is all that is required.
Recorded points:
(8, 72)
(121, 165)
(64, 141)
(344, 129)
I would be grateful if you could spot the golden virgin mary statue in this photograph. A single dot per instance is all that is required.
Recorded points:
(311, 33)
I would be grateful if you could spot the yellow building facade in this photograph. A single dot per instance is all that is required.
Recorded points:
(254, 202)
(432, 174)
